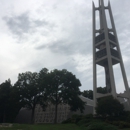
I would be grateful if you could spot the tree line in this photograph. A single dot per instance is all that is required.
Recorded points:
(106, 106)
(44, 87)
(89, 93)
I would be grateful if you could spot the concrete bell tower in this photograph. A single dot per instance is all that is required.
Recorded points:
(106, 53)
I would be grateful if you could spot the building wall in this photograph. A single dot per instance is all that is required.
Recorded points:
(88, 110)
(47, 116)
(63, 112)
(24, 116)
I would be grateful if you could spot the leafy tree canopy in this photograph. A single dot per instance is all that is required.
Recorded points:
(9, 98)
(102, 90)
(55, 87)
(63, 87)
(109, 106)
(31, 92)
(89, 93)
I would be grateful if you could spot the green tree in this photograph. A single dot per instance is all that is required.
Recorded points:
(102, 90)
(109, 106)
(88, 94)
(63, 87)
(30, 91)
(4, 99)
(15, 103)
(8, 99)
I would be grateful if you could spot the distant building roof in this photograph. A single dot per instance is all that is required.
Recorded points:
(88, 101)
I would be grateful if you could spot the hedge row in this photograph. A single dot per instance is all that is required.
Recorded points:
(90, 123)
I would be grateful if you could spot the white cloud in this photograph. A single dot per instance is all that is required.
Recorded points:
(55, 34)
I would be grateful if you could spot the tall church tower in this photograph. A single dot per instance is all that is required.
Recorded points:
(106, 53)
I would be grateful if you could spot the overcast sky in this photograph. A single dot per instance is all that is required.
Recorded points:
(57, 34)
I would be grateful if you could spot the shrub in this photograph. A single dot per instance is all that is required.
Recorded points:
(120, 124)
(76, 118)
(83, 122)
(109, 106)
(116, 123)
(96, 126)
(110, 127)
(124, 124)
(127, 115)
(66, 121)
(101, 126)
(89, 116)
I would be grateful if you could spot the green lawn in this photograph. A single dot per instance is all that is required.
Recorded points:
(46, 127)
(43, 127)
(125, 129)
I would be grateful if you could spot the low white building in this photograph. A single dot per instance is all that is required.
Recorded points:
(63, 112)
(47, 116)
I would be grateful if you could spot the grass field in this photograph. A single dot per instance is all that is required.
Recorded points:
(43, 127)
(46, 127)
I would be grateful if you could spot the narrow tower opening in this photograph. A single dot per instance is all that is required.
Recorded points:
(97, 20)
(100, 76)
(120, 87)
(108, 19)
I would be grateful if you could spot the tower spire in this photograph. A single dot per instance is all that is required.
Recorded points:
(106, 52)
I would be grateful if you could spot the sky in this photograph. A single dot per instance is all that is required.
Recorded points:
(57, 34)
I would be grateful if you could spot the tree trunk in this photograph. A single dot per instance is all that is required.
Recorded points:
(32, 115)
(55, 119)
(4, 117)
